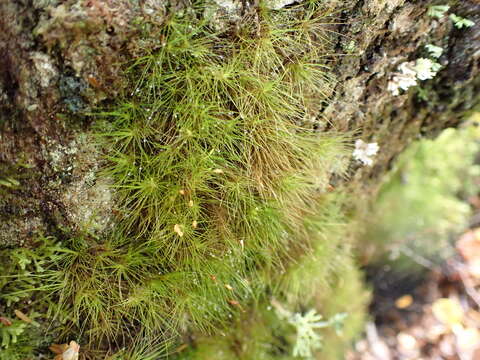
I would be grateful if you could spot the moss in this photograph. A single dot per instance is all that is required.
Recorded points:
(348, 295)
(263, 334)
(210, 164)
(221, 185)
(22, 279)
(27, 344)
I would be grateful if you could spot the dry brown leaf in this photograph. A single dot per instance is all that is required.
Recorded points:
(72, 351)
(5, 321)
(58, 348)
(22, 316)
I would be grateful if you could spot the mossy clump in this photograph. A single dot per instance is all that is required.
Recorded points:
(263, 334)
(214, 174)
(221, 183)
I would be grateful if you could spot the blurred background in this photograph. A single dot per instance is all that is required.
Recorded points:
(422, 247)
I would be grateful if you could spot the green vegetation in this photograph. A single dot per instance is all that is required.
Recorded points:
(264, 334)
(422, 204)
(221, 184)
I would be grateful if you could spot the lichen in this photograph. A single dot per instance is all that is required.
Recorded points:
(88, 198)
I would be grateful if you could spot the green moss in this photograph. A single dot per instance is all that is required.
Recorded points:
(263, 334)
(20, 282)
(21, 341)
(211, 167)
(347, 295)
(220, 190)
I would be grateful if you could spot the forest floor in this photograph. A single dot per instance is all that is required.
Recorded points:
(435, 316)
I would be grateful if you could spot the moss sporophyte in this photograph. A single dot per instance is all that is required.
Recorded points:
(221, 189)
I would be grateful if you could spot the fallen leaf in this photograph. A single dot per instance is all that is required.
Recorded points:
(66, 351)
(22, 316)
(448, 311)
(72, 351)
(404, 301)
(5, 321)
(58, 348)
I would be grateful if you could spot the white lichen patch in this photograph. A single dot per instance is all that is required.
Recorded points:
(222, 12)
(154, 9)
(365, 152)
(87, 198)
(426, 69)
(434, 51)
(59, 155)
(278, 4)
(409, 73)
(405, 78)
(229, 5)
(89, 205)
(47, 71)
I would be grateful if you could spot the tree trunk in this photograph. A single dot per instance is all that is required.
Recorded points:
(64, 60)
